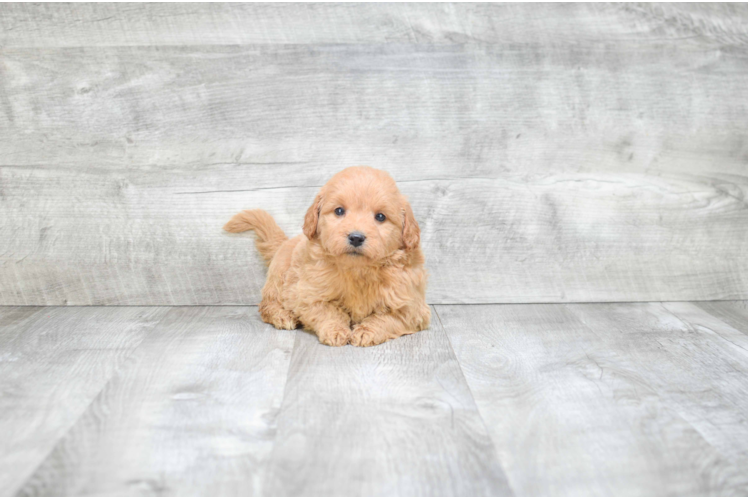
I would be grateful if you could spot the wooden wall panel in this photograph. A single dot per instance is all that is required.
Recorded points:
(133, 237)
(607, 164)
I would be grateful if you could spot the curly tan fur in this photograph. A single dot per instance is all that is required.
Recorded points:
(363, 296)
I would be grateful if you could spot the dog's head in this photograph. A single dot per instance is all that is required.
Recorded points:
(361, 216)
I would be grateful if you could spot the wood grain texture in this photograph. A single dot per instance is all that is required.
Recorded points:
(553, 399)
(582, 407)
(43, 25)
(395, 419)
(13, 321)
(53, 363)
(553, 240)
(695, 362)
(194, 413)
(447, 110)
(540, 173)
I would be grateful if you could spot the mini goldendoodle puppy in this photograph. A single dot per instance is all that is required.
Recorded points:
(356, 275)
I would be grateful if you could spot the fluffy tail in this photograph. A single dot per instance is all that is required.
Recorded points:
(269, 236)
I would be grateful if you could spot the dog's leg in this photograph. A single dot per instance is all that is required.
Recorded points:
(331, 324)
(271, 306)
(273, 312)
(381, 327)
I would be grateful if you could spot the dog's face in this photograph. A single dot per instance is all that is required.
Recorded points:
(360, 217)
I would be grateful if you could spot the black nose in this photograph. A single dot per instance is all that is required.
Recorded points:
(356, 239)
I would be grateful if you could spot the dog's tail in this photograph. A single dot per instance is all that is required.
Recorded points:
(270, 236)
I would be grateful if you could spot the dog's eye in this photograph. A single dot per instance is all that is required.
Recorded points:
(380, 217)
(339, 211)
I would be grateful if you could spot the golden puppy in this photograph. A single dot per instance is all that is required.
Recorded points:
(356, 274)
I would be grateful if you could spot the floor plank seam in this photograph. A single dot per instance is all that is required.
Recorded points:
(475, 403)
(728, 323)
(663, 396)
(692, 327)
(270, 456)
(74, 422)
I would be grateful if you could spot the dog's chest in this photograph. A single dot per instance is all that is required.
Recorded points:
(362, 294)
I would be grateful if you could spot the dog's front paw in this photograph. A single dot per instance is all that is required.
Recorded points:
(282, 319)
(285, 320)
(334, 335)
(365, 336)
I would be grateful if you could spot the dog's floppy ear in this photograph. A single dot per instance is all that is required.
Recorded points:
(411, 231)
(312, 217)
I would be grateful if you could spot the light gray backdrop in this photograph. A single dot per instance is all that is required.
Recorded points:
(552, 153)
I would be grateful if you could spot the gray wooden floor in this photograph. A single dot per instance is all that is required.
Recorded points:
(562, 399)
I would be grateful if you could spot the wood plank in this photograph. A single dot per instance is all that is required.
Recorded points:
(518, 111)
(573, 411)
(395, 419)
(539, 175)
(734, 313)
(194, 414)
(90, 24)
(53, 365)
(697, 363)
(13, 321)
(558, 239)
